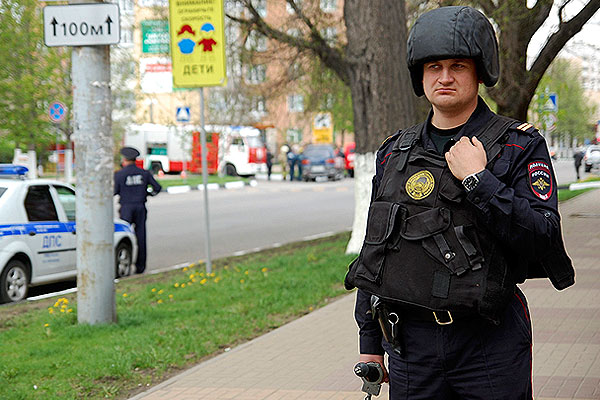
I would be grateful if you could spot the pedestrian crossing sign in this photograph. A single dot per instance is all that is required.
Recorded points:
(183, 114)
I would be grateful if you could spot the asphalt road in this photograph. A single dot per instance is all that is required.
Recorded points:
(245, 219)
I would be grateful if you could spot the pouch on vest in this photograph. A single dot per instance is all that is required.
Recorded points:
(380, 225)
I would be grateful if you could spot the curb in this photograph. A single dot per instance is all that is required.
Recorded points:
(210, 186)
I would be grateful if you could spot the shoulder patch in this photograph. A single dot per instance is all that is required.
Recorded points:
(525, 127)
(540, 179)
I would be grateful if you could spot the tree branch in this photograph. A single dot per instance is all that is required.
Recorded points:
(330, 56)
(558, 39)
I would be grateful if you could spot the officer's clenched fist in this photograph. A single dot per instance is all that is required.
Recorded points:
(466, 157)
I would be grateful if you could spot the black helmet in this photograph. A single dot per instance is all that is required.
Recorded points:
(453, 32)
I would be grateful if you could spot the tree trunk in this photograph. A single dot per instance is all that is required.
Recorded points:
(382, 98)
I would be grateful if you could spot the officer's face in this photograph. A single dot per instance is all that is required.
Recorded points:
(451, 85)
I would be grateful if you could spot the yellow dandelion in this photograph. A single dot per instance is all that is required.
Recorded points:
(170, 296)
(201, 274)
(203, 281)
(63, 306)
(226, 267)
(242, 280)
(125, 295)
(247, 272)
(153, 290)
(56, 304)
(159, 301)
(217, 279)
(192, 276)
(185, 269)
(161, 291)
(51, 311)
(70, 310)
(65, 300)
(265, 269)
(62, 310)
(176, 285)
(183, 285)
(310, 308)
(194, 280)
(46, 325)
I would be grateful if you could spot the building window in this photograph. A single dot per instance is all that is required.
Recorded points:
(296, 103)
(293, 135)
(126, 6)
(256, 74)
(295, 70)
(328, 5)
(259, 104)
(256, 42)
(126, 36)
(329, 34)
(260, 6)
(289, 8)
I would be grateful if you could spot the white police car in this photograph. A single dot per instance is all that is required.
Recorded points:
(37, 234)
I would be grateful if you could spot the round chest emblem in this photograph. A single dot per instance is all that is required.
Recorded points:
(420, 185)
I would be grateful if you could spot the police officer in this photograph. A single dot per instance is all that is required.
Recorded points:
(131, 184)
(463, 208)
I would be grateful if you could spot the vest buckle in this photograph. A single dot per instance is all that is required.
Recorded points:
(443, 321)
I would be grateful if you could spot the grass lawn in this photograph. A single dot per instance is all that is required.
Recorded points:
(166, 322)
(566, 194)
(195, 180)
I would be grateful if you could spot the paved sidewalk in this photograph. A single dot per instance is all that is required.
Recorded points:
(312, 357)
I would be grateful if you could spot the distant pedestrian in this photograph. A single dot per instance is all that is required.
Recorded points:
(578, 156)
(283, 160)
(291, 159)
(131, 184)
(269, 157)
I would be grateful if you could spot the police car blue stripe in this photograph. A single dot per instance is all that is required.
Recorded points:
(47, 227)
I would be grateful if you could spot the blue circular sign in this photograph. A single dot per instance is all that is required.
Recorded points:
(57, 111)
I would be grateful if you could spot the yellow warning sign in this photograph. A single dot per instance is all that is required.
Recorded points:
(322, 128)
(197, 32)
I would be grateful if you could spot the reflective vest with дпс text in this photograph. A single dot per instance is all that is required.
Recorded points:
(423, 245)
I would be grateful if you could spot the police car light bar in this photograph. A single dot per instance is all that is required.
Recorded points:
(12, 170)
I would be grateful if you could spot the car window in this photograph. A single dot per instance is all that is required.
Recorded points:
(318, 152)
(67, 199)
(39, 205)
(254, 141)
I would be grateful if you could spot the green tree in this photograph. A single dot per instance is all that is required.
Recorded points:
(574, 113)
(31, 76)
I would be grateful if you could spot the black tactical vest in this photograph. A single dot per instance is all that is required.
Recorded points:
(424, 246)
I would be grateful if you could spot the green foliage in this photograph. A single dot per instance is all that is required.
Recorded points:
(574, 112)
(30, 75)
(326, 92)
(166, 322)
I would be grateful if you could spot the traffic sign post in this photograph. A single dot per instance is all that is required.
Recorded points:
(89, 28)
(92, 24)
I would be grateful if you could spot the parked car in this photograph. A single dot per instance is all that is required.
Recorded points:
(349, 158)
(318, 160)
(591, 159)
(38, 234)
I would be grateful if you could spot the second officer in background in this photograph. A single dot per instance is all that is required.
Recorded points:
(131, 184)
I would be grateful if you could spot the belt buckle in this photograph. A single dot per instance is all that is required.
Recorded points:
(440, 322)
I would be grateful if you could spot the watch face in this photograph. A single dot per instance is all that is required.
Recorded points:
(470, 182)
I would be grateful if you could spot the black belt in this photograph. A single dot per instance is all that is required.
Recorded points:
(441, 317)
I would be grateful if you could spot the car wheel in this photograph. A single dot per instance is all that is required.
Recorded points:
(123, 260)
(230, 170)
(351, 173)
(156, 168)
(588, 168)
(14, 282)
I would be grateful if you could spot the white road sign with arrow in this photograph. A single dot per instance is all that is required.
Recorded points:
(81, 25)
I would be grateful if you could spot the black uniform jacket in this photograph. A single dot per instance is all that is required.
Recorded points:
(516, 197)
(131, 184)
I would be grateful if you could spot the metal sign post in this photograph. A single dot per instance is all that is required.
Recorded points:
(91, 27)
(198, 58)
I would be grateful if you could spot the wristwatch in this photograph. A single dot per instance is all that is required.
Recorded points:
(471, 181)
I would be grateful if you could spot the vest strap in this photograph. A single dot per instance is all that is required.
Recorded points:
(494, 134)
(405, 143)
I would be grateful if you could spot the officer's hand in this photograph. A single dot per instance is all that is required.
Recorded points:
(466, 157)
(375, 358)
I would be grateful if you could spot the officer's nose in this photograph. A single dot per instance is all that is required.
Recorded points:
(446, 76)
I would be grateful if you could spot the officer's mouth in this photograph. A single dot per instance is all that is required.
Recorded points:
(444, 91)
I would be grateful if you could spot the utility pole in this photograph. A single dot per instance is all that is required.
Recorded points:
(89, 27)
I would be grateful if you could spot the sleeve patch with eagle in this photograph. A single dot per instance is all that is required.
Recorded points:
(540, 179)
